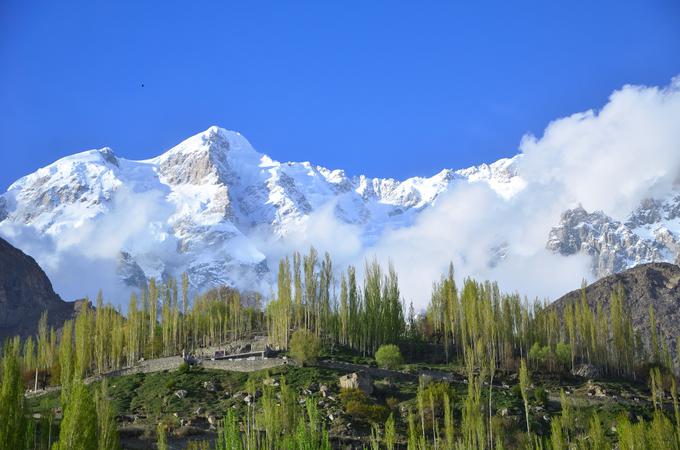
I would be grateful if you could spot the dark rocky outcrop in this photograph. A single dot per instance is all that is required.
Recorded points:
(656, 284)
(25, 292)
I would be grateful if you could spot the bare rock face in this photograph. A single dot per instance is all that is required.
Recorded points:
(612, 245)
(653, 284)
(357, 380)
(25, 292)
(129, 271)
(586, 371)
(649, 234)
(3, 209)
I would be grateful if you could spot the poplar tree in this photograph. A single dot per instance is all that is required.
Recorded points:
(66, 363)
(297, 279)
(83, 337)
(153, 315)
(524, 383)
(107, 431)
(13, 424)
(344, 312)
(133, 331)
(311, 286)
(654, 336)
(78, 428)
(101, 333)
(46, 347)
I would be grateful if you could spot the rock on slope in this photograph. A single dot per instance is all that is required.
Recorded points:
(25, 292)
(655, 284)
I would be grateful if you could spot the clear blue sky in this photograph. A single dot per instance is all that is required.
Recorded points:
(382, 88)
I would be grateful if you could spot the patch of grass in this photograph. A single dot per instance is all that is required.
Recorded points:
(346, 355)
(302, 377)
(44, 403)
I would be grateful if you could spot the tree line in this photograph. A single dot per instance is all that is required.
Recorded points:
(476, 324)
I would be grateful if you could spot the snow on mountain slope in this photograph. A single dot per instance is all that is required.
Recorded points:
(197, 207)
(650, 234)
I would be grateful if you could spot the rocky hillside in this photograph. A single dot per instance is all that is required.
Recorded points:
(655, 284)
(25, 292)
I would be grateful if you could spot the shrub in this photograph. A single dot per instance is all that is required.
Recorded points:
(360, 407)
(392, 402)
(541, 395)
(304, 346)
(563, 354)
(438, 390)
(352, 395)
(389, 356)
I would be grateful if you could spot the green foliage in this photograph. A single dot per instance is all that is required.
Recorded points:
(66, 360)
(229, 437)
(389, 356)
(13, 425)
(304, 346)
(184, 368)
(563, 354)
(524, 382)
(540, 395)
(162, 434)
(79, 425)
(479, 329)
(390, 433)
(360, 407)
(107, 432)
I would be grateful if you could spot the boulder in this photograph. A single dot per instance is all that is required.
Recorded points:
(596, 391)
(586, 371)
(212, 420)
(357, 380)
(181, 393)
(323, 390)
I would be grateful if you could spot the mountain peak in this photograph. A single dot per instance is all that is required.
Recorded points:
(215, 195)
(214, 139)
(207, 157)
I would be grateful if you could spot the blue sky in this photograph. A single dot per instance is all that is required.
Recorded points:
(382, 88)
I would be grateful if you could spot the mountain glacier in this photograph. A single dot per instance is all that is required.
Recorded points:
(203, 206)
(215, 208)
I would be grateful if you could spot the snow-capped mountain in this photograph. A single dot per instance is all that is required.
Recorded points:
(202, 206)
(650, 234)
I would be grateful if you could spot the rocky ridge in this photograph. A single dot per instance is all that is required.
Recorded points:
(25, 292)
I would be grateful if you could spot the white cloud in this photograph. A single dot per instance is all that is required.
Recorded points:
(81, 261)
(320, 229)
(605, 160)
(611, 159)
